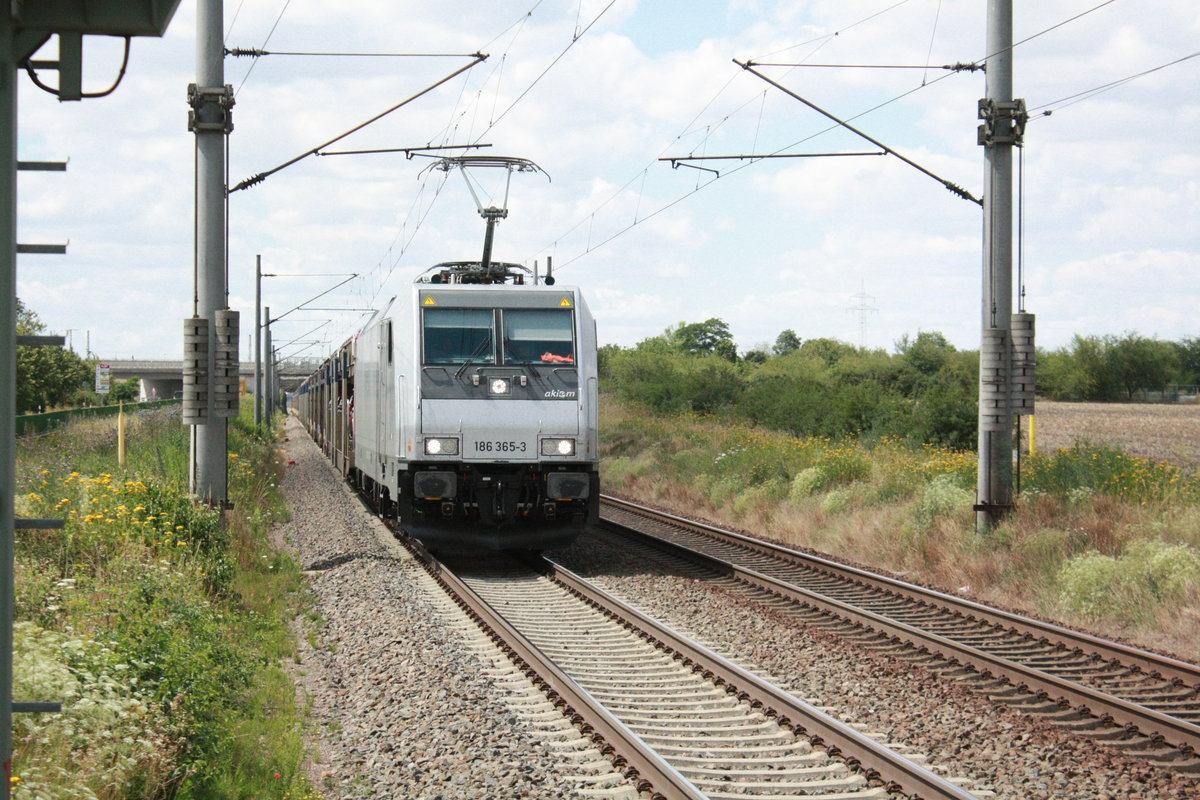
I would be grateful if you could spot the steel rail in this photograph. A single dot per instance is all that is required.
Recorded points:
(840, 740)
(652, 771)
(1179, 733)
(1165, 666)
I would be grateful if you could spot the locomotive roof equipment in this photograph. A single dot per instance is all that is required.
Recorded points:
(490, 213)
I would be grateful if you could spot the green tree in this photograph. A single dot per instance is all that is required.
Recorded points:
(756, 355)
(125, 391)
(830, 351)
(1137, 363)
(604, 359)
(710, 336)
(1187, 351)
(709, 384)
(790, 393)
(926, 354)
(786, 342)
(648, 374)
(46, 376)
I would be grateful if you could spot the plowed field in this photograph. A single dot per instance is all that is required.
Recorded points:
(1162, 432)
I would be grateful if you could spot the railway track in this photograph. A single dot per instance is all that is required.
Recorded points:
(682, 720)
(1146, 704)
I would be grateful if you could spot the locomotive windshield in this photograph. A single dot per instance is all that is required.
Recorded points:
(467, 335)
(458, 335)
(538, 336)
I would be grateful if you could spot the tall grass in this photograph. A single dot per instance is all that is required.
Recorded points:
(1098, 536)
(159, 625)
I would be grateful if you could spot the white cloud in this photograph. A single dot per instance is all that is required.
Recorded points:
(1110, 236)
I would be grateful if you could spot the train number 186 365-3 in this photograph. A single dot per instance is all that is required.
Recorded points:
(492, 446)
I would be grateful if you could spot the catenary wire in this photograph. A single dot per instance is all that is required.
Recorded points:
(574, 40)
(518, 25)
(688, 129)
(443, 136)
(1087, 94)
(825, 37)
(257, 53)
(270, 33)
(951, 70)
(932, 38)
(233, 22)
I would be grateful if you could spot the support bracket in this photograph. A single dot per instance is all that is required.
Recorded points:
(1003, 122)
(212, 108)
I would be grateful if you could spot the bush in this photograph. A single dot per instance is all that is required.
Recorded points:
(760, 498)
(941, 498)
(149, 610)
(844, 464)
(837, 501)
(807, 482)
(1083, 469)
(1149, 575)
(108, 742)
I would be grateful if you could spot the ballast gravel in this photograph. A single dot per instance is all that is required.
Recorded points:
(963, 735)
(407, 705)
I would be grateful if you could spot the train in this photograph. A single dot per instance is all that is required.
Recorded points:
(467, 409)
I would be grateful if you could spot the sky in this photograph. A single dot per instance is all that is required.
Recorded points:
(597, 93)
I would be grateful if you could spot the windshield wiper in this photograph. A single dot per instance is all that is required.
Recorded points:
(471, 359)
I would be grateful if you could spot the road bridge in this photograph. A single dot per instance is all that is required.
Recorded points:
(162, 379)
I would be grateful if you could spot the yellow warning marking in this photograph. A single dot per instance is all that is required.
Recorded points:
(566, 303)
(429, 301)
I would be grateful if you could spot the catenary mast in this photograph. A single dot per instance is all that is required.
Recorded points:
(1002, 129)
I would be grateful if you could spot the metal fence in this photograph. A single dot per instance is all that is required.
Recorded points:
(29, 424)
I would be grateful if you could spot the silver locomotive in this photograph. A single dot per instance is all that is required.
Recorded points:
(468, 409)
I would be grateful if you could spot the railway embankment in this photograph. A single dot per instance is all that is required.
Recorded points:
(1105, 533)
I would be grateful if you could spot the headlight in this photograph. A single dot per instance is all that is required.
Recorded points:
(441, 447)
(558, 447)
(498, 386)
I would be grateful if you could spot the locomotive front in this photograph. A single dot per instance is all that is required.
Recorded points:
(504, 450)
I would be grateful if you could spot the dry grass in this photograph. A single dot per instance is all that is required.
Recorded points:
(897, 520)
(1162, 432)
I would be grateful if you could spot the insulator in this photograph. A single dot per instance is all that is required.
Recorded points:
(226, 380)
(195, 371)
(1024, 364)
(994, 413)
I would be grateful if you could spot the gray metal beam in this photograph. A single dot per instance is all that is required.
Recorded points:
(258, 382)
(42, 249)
(41, 341)
(42, 166)
(8, 377)
(105, 17)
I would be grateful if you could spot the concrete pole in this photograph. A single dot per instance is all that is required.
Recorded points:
(258, 385)
(8, 379)
(209, 440)
(994, 490)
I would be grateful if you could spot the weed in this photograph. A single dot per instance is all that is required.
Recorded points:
(808, 481)
(154, 620)
(941, 498)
